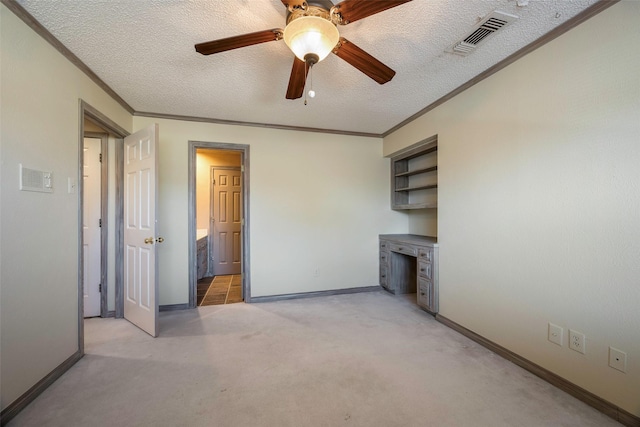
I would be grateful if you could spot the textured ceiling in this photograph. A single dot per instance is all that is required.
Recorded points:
(144, 50)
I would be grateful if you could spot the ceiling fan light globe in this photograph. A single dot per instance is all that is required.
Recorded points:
(311, 34)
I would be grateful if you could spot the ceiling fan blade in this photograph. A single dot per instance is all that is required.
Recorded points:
(217, 46)
(353, 10)
(363, 61)
(297, 79)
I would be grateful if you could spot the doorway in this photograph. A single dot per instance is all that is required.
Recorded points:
(218, 223)
(94, 124)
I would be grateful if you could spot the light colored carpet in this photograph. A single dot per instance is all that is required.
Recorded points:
(368, 359)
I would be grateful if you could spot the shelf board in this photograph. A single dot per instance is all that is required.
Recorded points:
(421, 152)
(422, 187)
(416, 206)
(418, 171)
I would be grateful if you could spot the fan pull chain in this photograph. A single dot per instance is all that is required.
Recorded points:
(311, 92)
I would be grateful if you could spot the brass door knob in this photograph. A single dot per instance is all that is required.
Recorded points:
(160, 239)
(149, 240)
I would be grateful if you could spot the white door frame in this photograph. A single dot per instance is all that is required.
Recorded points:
(245, 269)
(93, 115)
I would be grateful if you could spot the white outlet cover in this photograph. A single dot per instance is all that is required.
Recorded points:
(617, 359)
(555, 334)
(577, 341)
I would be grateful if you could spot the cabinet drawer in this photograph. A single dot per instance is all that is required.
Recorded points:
(384, 258)
(425, 254)
(403, 249)
(424, 293)
(424, 269)
(384, 282)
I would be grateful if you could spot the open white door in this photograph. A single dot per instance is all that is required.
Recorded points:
(140, 233)
(91, 244)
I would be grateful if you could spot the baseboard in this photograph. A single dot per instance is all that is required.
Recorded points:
(29, 396)
(271, 298)
(111, 313)
(173, 307)
(607, 408)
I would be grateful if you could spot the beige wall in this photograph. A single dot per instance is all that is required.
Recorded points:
(39, 232)
(539, 202)
(317, 202)
(205, 159)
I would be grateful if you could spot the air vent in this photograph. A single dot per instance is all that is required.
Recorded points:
(491, 23)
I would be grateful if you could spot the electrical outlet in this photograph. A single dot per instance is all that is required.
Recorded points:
(555, 334)
(617, 359)
(577, 341)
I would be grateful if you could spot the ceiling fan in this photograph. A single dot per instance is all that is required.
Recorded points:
(311, 33)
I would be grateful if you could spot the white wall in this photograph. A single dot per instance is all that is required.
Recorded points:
(39, 270)
(317, 201)
(539, 202)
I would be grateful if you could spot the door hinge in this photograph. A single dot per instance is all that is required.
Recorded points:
(242, 168)
(100, 157)
(214, 182)
(100, 222)
(100, 287)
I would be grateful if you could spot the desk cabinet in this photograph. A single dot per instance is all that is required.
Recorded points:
(408, 264)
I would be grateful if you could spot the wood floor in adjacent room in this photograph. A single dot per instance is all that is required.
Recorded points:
(368, 359)
(219, 290)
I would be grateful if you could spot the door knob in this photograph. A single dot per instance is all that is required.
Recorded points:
(149, 240)
(160, 239)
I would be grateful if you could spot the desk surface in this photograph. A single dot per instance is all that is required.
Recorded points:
(411, 239)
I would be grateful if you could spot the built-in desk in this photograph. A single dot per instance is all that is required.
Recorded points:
(408, 264)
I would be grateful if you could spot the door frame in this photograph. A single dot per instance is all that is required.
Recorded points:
(245, 269)
(87, 112)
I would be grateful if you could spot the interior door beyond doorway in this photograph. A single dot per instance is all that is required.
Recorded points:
(226, 221)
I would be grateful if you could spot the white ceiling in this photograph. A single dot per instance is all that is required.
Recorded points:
(144, 50)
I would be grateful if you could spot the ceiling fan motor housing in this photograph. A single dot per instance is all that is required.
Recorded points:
(310, 33)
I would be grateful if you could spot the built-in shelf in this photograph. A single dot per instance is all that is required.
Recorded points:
(414, 177)
(416, 206)
(422, 187)
(418, 171)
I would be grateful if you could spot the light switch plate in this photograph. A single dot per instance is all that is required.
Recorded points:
(555, 334)
(617, 359)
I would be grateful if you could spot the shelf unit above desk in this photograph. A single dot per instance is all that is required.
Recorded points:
(414, 176)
